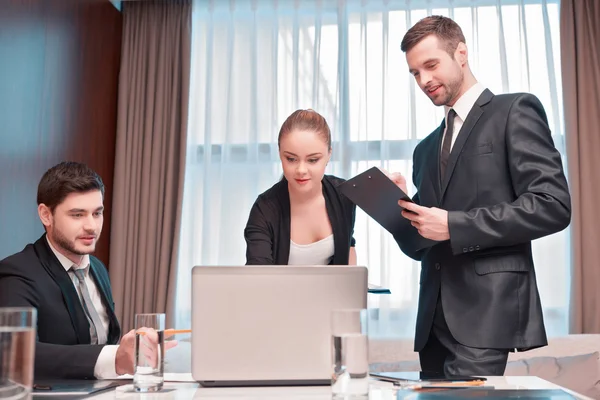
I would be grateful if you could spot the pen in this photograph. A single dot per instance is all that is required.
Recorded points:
(440, 388)
(436, 388)
(451, 383)
(169, 332)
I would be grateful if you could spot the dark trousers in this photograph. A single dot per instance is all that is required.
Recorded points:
(443, 354)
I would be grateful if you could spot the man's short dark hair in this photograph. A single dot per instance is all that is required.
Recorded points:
(445, 29)
(66, 178)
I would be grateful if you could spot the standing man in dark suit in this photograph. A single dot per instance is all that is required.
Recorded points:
(77, 330)
(489, 181)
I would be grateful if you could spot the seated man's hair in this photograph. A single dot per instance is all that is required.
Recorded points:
(66, 178)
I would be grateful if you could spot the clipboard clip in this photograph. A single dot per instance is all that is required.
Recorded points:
(354, 184)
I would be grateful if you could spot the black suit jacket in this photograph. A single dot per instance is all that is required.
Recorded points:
(35, 278)
(268, 231)
(504, 187)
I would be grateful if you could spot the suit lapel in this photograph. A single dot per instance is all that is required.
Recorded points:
(56, 271)
(462, 137)
(103, 285)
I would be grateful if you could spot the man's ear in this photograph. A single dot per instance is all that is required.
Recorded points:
(461, 54)
(45, 215)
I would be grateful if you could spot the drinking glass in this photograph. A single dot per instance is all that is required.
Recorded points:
(149, 352)
(17, 350)
(350, 377)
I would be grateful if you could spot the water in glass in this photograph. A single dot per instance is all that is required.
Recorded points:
(350, 377)
(149, 367)
(17, 349)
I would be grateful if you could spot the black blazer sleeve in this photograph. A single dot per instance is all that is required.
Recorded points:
(259, 235)
(51, 360)
(409, 240)
(542, 205)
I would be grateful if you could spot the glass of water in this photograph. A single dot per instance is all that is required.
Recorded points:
(149, 352)
(350, 377)
(17, 350)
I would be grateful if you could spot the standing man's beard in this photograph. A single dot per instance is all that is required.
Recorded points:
(453, 88)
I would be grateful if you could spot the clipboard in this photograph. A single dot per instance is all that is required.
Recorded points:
(377, 196)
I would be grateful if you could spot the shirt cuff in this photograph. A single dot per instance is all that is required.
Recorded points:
(105, 364)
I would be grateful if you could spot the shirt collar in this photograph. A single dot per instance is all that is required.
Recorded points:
(65, 262)
(463, 105)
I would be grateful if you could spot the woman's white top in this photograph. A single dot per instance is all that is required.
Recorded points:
(317, 253)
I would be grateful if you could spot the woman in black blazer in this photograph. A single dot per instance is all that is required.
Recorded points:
(302, 219)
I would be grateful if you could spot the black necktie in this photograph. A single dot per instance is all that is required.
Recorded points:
(447, 143)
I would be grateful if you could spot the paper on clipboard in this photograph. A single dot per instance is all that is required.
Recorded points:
(378, 196)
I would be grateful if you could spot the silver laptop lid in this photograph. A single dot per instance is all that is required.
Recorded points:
(268, 323)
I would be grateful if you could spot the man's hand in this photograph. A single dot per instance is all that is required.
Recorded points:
(125, 354)
(125, 358)
(432, 223)
(398, 179)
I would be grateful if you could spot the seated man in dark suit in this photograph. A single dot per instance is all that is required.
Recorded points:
(77, 330)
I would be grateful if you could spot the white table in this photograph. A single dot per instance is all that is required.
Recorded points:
(378, 391)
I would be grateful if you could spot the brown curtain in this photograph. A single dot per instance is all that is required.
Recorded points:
(150, 157)
(580, 48)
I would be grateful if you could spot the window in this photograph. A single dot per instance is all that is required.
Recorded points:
(254, 64)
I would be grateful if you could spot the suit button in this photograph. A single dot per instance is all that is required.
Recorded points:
(465, 249)
(437, 266)
(477, 247)
(471, 248)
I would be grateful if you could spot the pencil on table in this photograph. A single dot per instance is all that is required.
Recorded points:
(177, 331)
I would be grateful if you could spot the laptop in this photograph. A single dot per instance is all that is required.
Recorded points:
(268, 325)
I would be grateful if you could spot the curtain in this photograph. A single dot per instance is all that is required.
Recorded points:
(580, 35)
(150, 157)
(255, 62)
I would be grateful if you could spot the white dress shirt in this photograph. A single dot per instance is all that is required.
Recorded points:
(105, 365)
(462, 107)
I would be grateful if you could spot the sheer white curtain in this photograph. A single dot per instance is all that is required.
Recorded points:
(255, 62)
